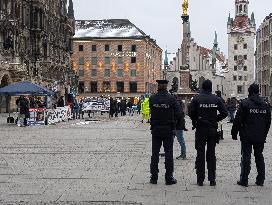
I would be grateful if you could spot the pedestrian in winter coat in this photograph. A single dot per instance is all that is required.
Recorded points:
(23, 105)
(252, 122)
(145, 110)
(180, 127)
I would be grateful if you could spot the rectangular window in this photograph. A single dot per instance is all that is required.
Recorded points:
(93, 87)
(81, 61)
(240, 78)
(234, 78)
(120, 60)
(133, 73)
(94, 48)
(120, 72)
(94, 60)
(81, 73)
(81, 87)
(235, 46)
(240, 89)
(80, 48)
(245, 78)
(133, 60)
(245, 46)
(245, 57)
(133, 48)
(94, 73)
(107, 60)
(106, 86)
(133, 87)
(120, 48)
(107, 73)
(107, 47)
(245, 68)
(235, 68)
(120, 87)
(235, 58)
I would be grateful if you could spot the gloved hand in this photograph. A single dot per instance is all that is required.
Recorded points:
(234, 137)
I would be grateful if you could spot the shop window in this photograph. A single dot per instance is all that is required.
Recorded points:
(120, 87)
(81, 87)
(93, 87)
(106, 86)
(133, 87)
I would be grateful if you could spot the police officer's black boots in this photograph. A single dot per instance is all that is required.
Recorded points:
(169, 180)
(242, 183)
(212, 183)
(153, 179)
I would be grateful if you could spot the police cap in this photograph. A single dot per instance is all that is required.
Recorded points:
(162, 82)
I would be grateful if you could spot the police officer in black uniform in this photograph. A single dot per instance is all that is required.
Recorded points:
(164, 111)
(203, 113)
(252, 121)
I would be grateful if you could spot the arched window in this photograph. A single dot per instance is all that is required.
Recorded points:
(240, 8)
(245, 8)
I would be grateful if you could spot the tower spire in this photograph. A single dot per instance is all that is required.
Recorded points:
(71, 14)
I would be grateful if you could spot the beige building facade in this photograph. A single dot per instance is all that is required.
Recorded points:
(114, 57)
(264, 57)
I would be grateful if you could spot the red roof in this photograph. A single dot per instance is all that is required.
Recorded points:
(241, 23)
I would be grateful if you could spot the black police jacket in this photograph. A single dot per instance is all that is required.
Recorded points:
(164, 112)
(252, 120)
(203, 110)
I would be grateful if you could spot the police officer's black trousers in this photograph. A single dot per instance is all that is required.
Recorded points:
(200, 144)
(246, 161)
(157, 142)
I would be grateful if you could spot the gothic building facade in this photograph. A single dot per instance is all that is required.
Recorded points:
(241, 37)
(35, 41)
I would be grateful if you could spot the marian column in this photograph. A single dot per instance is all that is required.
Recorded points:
(185, 68)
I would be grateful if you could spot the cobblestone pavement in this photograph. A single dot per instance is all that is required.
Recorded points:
(107, 162)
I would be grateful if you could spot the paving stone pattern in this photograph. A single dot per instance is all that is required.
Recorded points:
(107, 162)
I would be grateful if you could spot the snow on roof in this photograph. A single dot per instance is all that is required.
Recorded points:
(116, 28)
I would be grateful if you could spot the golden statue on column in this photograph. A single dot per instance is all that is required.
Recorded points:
(185, 6)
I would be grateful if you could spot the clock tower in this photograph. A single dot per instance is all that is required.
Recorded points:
(241, 38)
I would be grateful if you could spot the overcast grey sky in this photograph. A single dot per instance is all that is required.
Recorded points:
(161, 18)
